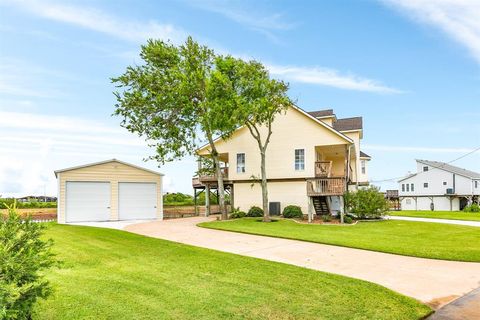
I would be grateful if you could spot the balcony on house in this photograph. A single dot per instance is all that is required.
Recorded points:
(330, 172)
(202, 178)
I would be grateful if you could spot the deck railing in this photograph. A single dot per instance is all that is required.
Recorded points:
(209, 177)
(326, 186)
(323, 168)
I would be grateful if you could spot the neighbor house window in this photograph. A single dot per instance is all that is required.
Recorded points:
(476, 184)
(240, 162)
(403, 187)
(408, 187)
(444, 183)
(425, 168)
(299, 159)
(411, 187)
(425, 185)
(364, 169)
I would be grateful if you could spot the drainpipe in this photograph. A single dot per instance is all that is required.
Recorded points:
(454, 184)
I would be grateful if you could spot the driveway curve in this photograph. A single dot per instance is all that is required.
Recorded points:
(435, 282)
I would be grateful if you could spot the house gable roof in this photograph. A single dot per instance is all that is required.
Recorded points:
(321, 113)
(450, 168)
(446, 167)
(303, 112)
(104, 162)
(347, 124)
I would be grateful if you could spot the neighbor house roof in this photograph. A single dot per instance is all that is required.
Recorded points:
(103, 162)
(321, 113)
(446, 167)
(346, 124)
(450, 168)
(364, 155)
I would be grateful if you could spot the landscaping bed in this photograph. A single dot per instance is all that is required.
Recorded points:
(105, 276)
(419, 239)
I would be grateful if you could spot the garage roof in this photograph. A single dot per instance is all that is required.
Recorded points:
(106, 161)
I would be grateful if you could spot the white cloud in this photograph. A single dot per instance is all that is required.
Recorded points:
(97, 20)
(251, 17)
(391, 148)
(330, 78)
(459, 19)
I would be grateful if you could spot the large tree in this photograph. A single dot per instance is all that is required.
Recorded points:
(259, 99)
(176, 98)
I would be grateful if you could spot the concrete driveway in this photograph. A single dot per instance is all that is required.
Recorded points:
(435, 282)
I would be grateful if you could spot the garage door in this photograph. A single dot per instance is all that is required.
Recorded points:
(137, 200)
(87, 201)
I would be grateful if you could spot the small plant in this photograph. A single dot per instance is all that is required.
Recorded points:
(237, 214)
(472, 208)
(255, 212)
(292, 212)
(326, 218)
(24, 257)
(347, 219)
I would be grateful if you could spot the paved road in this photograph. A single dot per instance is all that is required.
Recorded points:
(464, 308)
(446, 221)
(435, 282)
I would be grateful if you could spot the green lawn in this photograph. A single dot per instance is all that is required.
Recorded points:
(111, 274)
(455, 215)
(419, 239)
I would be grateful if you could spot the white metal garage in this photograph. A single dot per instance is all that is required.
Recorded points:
(137, 200)
(108, 191)
(87, 201)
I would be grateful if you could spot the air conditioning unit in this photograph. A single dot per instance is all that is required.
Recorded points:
(450, 191)
(274, 208)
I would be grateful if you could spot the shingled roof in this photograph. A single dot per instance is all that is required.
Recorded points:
(450, 168)
(321, 113)
(364, 155)
(346, 124)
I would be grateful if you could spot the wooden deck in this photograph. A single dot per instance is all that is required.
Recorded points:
(332, 186)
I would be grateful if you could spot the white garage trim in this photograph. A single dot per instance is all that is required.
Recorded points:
(87, 201)
(137, 200)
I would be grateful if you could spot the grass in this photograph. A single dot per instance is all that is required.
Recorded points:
(112, 274)
(418, 239)
(454, 215)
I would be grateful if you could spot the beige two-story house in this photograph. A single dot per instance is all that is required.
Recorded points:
(312, 159)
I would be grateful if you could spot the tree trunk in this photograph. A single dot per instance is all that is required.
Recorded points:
(221, 190)
(266, 214)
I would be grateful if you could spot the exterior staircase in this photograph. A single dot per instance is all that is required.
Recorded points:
(321, 206)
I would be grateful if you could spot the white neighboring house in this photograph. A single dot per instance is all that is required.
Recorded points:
(439, 186)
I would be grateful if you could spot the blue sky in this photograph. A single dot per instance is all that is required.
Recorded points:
(410, 68)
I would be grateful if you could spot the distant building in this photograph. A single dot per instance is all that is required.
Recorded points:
(37, 199)
(439, 186)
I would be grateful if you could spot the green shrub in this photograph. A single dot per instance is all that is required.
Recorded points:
(347, 219)
(366, 203)
(24, 257)
(326, 218)
(237, 214)
(255, 212)
(472, 208)
(292, 212)
(26, 205)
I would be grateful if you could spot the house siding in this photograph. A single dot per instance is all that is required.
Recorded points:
(113, 172)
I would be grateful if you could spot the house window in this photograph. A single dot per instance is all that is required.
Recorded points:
(411, 187)
(403, 187)
(444, 183)
(299, 159)
(364, 169)
(425, 184)
(408, 187)
(408, 201)
(425, 168)
(240, 162)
